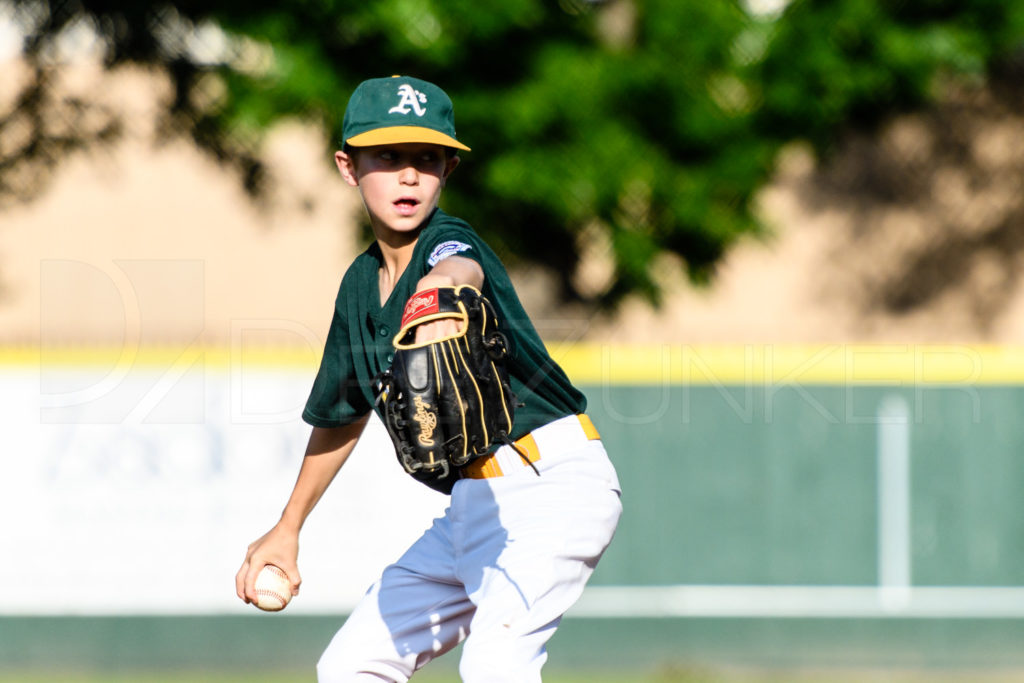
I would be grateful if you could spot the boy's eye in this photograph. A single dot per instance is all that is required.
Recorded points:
(425, 158)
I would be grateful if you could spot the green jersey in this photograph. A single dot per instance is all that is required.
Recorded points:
(359, 345)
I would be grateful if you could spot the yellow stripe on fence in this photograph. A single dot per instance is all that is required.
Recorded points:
(161, 356)
(780, 364)
(590, 363)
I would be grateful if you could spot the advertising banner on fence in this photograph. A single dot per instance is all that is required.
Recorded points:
(135, 485)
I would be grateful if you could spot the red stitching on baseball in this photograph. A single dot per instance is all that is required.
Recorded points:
(266, 592)
(263, 592)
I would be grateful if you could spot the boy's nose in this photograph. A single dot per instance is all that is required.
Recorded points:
(408, 175)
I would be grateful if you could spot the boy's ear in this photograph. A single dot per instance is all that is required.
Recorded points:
(449, 166)
(347, 167)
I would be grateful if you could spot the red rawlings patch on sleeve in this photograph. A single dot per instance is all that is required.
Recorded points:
(421, 304)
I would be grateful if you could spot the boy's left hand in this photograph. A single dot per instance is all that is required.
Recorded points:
(437, 329)
(452, 271)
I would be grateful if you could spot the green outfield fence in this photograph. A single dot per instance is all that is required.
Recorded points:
(828, 506)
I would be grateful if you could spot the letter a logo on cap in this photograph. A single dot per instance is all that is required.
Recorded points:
(410, 98)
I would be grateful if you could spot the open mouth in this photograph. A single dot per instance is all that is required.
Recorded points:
(406, 206)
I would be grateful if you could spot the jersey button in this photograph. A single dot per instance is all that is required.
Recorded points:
(391, 358)
(383, 331)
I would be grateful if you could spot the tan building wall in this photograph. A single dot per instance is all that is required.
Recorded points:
(157, 244)
(160, 241)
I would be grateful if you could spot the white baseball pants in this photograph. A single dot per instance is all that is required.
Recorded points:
(510, 555)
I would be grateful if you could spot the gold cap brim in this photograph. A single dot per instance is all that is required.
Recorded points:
(392, 135)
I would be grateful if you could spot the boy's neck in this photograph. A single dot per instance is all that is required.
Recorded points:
(395, 259)
(396, 254)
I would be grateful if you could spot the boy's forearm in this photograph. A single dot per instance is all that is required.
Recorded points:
(453, 271)
(327, 451)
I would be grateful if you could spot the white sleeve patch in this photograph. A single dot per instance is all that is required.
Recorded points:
(446, 249)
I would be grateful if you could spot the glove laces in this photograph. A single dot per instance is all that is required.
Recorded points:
(504, 439)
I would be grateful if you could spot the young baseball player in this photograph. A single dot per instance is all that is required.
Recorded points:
(528, 522)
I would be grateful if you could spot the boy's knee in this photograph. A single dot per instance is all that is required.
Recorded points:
(336, 666)
(494, 663)
(330, 672)
(331, 669)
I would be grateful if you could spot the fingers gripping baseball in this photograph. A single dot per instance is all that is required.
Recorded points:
(277, 547)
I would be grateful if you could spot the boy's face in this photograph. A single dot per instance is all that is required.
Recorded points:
(400, 183)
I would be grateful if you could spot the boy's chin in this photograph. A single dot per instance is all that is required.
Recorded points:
(408, 220)
(401, 226)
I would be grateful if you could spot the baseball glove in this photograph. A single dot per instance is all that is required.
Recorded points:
(447, 401)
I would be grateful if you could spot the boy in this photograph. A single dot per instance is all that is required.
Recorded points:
(514, 549)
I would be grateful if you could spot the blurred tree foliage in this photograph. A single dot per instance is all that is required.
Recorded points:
(634, 127)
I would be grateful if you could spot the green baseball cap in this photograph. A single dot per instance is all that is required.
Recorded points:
(399, 109)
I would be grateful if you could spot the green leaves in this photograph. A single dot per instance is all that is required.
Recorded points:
(650, 122)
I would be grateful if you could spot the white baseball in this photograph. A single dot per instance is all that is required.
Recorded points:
(273, 589)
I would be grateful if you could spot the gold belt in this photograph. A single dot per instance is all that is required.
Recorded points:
(487, 466)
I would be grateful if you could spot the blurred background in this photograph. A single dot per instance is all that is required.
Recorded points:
(778, 244)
